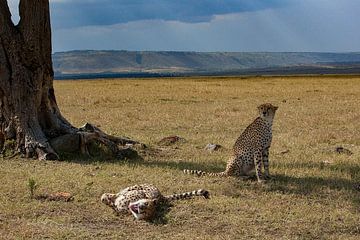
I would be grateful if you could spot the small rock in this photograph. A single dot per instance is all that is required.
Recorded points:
(170, 140)
(212, 147)
(342, 150)
(285, 151)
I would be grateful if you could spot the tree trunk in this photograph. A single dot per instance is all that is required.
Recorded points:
(28, 109)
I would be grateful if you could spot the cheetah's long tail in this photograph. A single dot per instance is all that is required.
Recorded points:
(187, 195)
(202, 173)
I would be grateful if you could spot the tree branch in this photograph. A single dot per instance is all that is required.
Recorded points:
(6, 25)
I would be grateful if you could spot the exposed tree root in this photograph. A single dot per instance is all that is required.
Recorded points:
(88, 134)
(37, 145)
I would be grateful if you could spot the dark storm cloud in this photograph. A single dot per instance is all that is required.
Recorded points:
(67, 14)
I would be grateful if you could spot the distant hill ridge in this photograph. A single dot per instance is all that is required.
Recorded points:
(91, 62)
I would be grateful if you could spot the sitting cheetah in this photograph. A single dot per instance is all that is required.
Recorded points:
(142, 200)
(251, 148)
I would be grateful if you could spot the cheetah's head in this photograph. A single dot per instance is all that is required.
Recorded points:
(267, 111)
(143, 208)
(108, 199)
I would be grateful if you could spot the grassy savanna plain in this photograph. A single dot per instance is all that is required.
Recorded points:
(311, 195)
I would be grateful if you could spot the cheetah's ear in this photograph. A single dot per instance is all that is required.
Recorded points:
(276, 108)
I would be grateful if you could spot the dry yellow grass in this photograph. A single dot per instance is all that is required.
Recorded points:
(312, 195)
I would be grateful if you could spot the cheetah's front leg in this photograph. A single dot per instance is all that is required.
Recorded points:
(258, 157)
(265, 158)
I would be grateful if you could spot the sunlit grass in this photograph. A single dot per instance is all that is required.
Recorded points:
(311, 196)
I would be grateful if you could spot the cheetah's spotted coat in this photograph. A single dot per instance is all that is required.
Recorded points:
(142, 200)
(251, 149)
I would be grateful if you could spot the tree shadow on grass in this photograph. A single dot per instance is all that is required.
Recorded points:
(211, 166)
(312, 185)
(147, 157)
(98, 153)
(307, 185)
(352, 169)
(313, 182)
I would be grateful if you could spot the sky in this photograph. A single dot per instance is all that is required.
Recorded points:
(205, 25)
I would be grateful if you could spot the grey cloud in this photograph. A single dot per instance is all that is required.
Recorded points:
(307, 26)
(67, 14)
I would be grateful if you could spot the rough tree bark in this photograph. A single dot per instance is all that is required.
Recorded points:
(28, 109)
